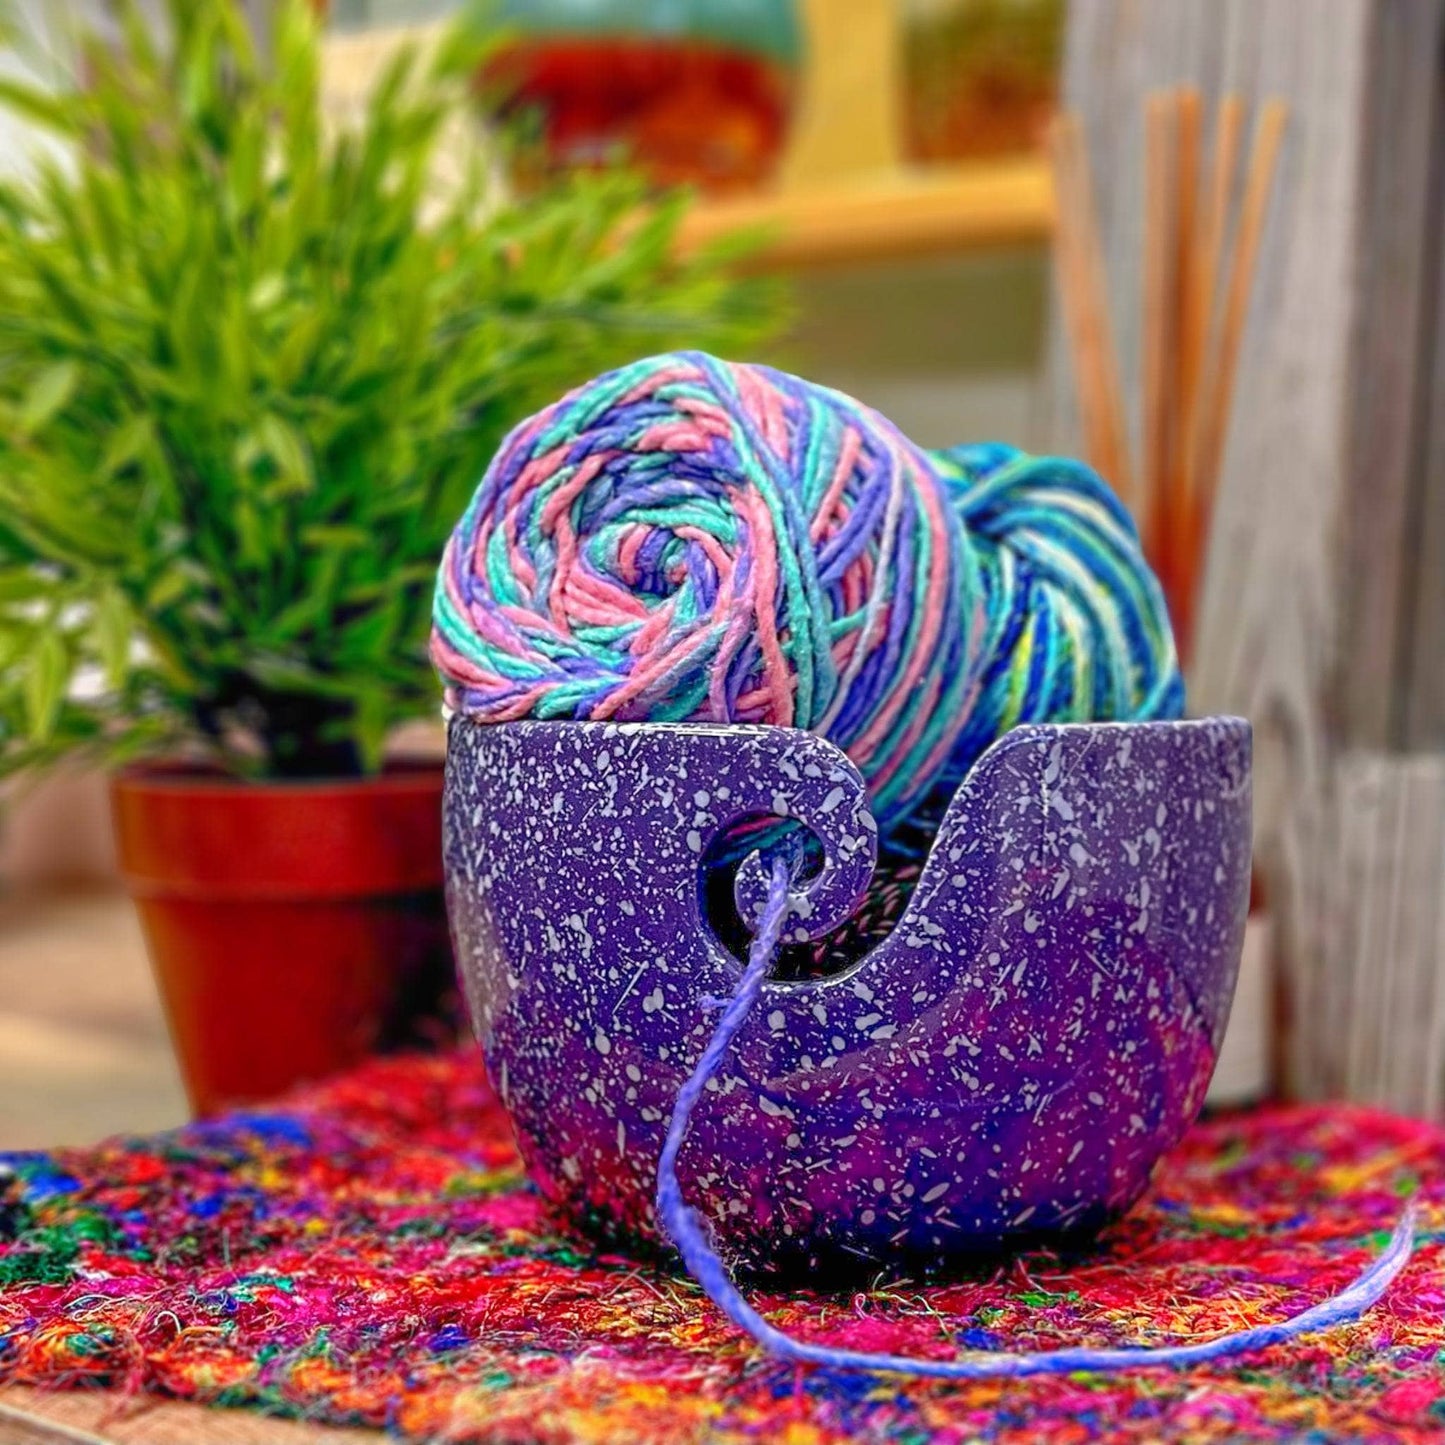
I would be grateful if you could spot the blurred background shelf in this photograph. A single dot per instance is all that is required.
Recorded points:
(849, 190)
(909, 214)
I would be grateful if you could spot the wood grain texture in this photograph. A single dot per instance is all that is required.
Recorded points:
(1424, 721)
(1303, 621)
(1397, 214)
(1370, 1012)
(101, 1417)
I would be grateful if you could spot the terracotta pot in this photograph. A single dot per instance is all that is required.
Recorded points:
(293, 927)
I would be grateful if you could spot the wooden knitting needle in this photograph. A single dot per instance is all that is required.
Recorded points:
(1120, 463)
(1189, 320)
(1160, 256)
(1083, 291)
(1229, 126)
(1224, 361)
(1197, 322)
(1187, 107)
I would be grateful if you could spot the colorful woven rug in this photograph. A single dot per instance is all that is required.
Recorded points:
(369, 1254)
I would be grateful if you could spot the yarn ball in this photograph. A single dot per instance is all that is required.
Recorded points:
(693, 539)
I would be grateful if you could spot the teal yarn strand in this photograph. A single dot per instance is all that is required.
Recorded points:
(1078, 629)
(692, 539)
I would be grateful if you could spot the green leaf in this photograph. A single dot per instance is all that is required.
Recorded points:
(287, 673)
(21, 584)
(275, 440)
(45, 682)
(372, 634)
(371, 722)
(115, 627)
(168, 588)
(252, 532)
(289, 451)
(130, 440)
(341, 538)
(47, 394)
(39, 106)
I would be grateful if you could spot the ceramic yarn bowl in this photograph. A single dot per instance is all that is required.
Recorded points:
(1039, 1027)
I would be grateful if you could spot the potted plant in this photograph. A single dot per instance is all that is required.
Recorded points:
(244, 393)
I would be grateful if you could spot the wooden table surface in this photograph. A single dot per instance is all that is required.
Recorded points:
(83, 1046)
(96, 1417)
(83, 1054)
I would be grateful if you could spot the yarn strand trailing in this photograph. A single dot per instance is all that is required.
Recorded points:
(688, 1233)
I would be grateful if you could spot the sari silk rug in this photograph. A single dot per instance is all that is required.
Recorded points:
(368, 1252)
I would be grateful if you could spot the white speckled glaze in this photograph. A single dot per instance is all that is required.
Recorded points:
(1038, 1028)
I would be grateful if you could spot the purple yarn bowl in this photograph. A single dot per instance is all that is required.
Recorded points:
(1009, 1063)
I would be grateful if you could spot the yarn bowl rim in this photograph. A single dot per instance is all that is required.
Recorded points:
(572, 855)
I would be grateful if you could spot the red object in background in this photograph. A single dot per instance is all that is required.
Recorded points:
(293, 927)
(686, 111)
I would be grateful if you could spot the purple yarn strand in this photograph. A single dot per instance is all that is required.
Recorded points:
(688, 1233)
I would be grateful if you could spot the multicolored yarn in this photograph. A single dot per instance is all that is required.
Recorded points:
(693, 539)
(368, 1253)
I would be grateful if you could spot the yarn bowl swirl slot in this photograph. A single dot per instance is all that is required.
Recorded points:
(1039, 1027)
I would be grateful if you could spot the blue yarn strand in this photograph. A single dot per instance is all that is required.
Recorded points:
(688, 1233)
